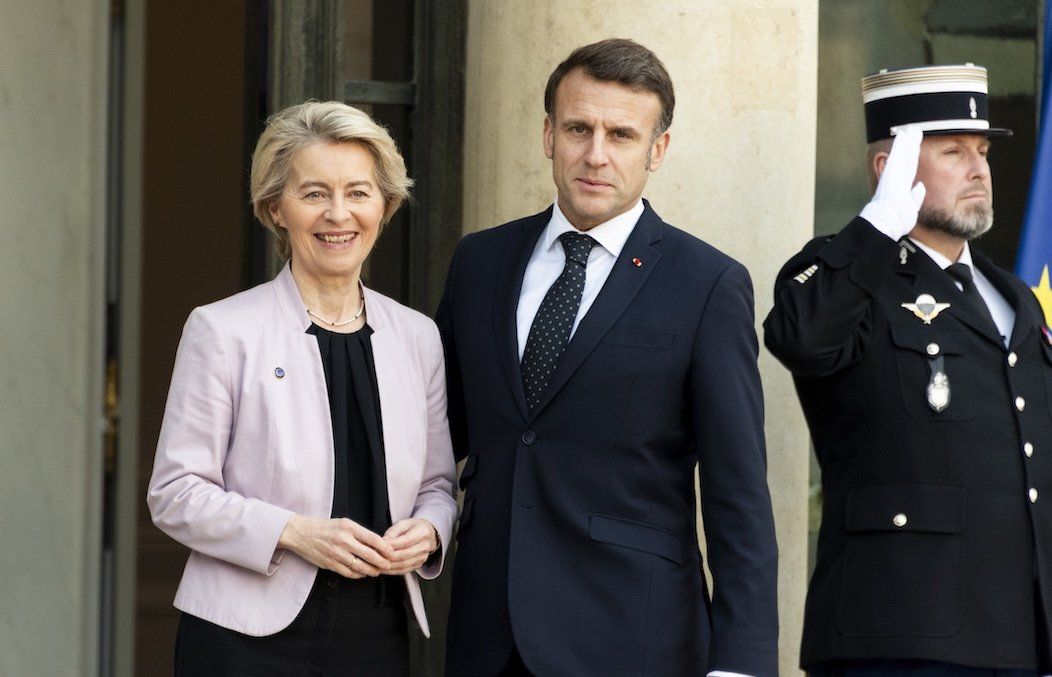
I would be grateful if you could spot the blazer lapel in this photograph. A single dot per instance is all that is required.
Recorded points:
(399, 429)
(620, 289)
(512, 264)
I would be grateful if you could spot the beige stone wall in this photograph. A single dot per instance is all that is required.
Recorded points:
(740, 172)
(52, 135)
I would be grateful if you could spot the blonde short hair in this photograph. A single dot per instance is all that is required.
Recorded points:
(292, 129)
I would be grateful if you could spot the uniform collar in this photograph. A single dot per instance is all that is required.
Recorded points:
(941, 260)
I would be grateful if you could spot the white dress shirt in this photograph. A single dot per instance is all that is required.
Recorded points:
(1000, 310)
(547, 262)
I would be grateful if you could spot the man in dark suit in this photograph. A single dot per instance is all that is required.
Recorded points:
(925, 373)
(595, 354)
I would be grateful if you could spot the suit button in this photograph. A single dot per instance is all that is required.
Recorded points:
(1012, 359)
(529, 437)
(899, 520)
(1032, 494)
(932, 349)
(1028, 449)
(333, 581)
(1020, 403)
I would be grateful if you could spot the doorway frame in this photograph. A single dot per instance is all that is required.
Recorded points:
(128, 504)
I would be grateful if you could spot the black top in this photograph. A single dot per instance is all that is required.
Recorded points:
(360, 487)
(360, 491)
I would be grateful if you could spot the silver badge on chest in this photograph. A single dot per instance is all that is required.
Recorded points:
(938, 389)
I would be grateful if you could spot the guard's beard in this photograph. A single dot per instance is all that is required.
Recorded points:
(975, 221)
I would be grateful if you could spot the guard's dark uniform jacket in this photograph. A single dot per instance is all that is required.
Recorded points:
(936, 537)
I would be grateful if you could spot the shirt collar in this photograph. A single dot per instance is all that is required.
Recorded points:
(941, 260)
(611, 235)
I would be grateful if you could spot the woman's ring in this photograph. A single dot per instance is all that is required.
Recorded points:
(354, 560)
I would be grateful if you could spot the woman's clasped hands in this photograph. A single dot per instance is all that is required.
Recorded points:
(353, 551)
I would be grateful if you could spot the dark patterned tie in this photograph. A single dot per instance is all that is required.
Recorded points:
(962, 272)
(551, 327)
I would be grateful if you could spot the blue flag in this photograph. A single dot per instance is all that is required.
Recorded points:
(1035, 249)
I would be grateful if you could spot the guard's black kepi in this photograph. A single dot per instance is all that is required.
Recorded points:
(938, 99)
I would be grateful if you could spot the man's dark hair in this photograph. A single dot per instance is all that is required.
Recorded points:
(622, 61)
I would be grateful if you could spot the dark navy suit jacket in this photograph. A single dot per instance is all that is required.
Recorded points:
(578, 542)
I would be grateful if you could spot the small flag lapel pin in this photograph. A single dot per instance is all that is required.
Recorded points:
(637, 262)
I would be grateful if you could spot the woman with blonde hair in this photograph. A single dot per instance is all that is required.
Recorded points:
(304, 456)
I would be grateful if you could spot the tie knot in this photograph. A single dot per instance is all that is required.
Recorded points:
(577, 246)
(961, 272)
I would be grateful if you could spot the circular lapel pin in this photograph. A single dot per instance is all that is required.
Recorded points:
(279, 372)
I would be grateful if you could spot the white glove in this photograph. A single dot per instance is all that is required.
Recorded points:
(893, 209)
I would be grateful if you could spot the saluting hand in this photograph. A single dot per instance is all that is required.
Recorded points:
(413, 541)
(896, 202)
(339, 545)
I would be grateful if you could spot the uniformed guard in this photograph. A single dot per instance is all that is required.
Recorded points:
(925, 375)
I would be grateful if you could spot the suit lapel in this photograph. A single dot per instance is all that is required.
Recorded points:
(512, 267)
(619, 290)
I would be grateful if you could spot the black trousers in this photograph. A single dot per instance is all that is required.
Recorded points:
(344, 628)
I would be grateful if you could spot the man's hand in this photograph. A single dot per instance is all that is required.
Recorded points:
(413, 541)
(339, 545)
(893, 209)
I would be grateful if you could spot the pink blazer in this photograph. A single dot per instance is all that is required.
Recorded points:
(246, 442)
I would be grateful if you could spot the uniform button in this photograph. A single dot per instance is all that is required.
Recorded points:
(899, 520)
(1032, 494)
(529, 437)
(1028, 449)
(1020, 403)
(932, 349)
(1012, 359)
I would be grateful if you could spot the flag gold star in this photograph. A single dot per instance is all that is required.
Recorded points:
(1043, 292)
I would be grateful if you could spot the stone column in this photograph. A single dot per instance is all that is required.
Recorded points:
(52, 228)
(739, 174)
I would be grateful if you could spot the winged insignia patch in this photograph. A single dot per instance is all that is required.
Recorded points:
(926, 307)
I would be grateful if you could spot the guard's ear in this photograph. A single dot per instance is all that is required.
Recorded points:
(880, 161)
